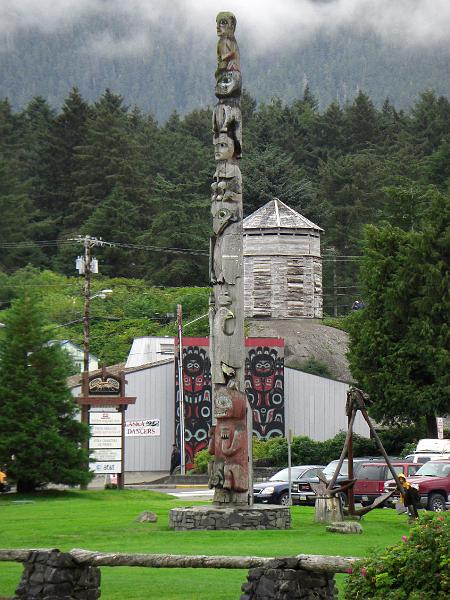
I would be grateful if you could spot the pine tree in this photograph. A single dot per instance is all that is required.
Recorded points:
(40, 439)
(105, 160)
(400, 343)
(15, 225)
(362, 126)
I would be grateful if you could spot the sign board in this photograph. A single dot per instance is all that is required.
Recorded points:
(106, 430)
(105, 385)
(107, 454)
(107, 418)
(143, 427)
(440, 428)
(106, 467)
(105, 442)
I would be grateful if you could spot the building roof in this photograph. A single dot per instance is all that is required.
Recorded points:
(275, 215)
(70, 344)
(149, 349)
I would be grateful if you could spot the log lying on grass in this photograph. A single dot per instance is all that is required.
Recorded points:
(307, 562)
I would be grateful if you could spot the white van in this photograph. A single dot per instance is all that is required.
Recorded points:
(430, 449)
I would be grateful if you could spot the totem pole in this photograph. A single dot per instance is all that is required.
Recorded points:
(229, 471)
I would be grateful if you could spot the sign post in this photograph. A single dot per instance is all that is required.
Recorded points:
(103, 400)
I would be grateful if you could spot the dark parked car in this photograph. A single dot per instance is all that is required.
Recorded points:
(372, 476)
(432, 481)
(302, 492)
(276, 489)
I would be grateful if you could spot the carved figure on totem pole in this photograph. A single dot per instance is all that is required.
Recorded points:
(228, 436)
(228, 57)
(228, 442)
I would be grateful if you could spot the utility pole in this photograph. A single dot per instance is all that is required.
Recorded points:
(86, 265)
(180, 387)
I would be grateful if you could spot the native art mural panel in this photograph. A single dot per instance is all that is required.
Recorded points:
(264, 386)
(197, 397)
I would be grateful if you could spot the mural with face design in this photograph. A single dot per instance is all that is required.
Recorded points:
(197, 399)
(264, 383)
(264, 377)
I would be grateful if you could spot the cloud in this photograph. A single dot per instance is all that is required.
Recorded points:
(105, 44)
(264, 23)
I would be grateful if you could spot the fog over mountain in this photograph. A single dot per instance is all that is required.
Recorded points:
(160, 55)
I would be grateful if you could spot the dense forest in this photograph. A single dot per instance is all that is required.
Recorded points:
(165, 62)
(111, 171)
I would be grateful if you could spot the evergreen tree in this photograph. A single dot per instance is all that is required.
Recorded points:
(40, 440)
(15, 225)
(105, 160)
(430, 121)
(400, 343)
(329, 132)
(182, 221)
(362, 125)
(67, 134)
(271, 173)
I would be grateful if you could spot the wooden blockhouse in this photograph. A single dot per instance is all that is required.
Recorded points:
(282, 264)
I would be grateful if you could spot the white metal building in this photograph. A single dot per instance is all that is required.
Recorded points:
(314, 406)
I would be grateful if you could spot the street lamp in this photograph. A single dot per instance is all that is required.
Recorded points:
(101, 294)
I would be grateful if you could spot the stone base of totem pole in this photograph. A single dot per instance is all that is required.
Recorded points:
(231, 516)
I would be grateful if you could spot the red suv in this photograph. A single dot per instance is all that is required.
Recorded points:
(432, 481)
(371, 478)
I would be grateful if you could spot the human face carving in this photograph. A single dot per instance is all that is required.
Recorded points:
(226, 24)
(223, 147)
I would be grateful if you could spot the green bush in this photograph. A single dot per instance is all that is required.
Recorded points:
(418, 568)
(201, 460)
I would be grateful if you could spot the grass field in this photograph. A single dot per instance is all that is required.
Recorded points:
(105, 521)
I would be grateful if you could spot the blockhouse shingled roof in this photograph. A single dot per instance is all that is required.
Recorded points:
(276, 214)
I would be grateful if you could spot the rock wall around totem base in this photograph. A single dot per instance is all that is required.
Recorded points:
(229, 517)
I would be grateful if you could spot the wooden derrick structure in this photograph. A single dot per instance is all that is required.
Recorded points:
(327, 492)
(229, 471)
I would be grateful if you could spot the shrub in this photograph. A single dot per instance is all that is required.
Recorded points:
(418, 568)
(201, 460)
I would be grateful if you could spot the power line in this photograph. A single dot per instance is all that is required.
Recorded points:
(72, 241)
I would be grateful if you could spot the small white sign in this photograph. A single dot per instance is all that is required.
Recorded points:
(107, 418)
(106, 467)
(440, 428)
(107, 454)
(107, 430)
(143, 427)
(105, 442)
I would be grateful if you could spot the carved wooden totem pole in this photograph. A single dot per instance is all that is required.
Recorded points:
(229, 471)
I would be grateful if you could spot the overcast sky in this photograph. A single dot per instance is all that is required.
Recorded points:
(264, 23)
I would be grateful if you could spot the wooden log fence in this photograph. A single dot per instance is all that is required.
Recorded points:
(307, 562)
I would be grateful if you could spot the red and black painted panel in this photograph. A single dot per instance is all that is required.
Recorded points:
(197, 397)
(264, 385)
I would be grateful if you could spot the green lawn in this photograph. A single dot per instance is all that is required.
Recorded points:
(105, 521)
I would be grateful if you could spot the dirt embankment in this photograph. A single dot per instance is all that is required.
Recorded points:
(307, 338)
